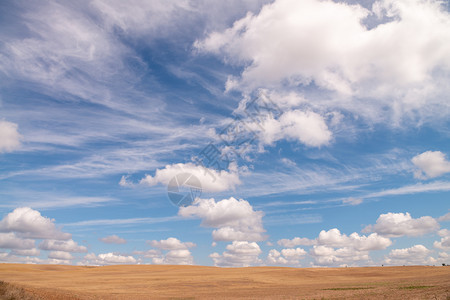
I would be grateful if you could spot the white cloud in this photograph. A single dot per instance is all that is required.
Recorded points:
(124, 182)
(107, 259)
(178, 253)
(20, 228)
(293, 253)
(62, 255)
(444, 243)
(293, 25)
(152, 253)
(306, 127)
(211, 180)
(437, 186)
(55, 261)
(163, 18)
(328, 256)
(141, 17)
(327, 43)
(113, 239)
(296, 242)
(11, 258)
(171, 244)
(66, 246)
(234, 219)
(10, 241)
(444, 232)
(68, 41)
(9, 137)
(331, 248)
(26, 252)
(274, 258)
(106, 222)
(334, 238)
(444, 218)
(400, 224)
(431, 164)
(289, 256)
(352, 201)
(176, 257)
(29, 223)
(415, 255)
(238, 254)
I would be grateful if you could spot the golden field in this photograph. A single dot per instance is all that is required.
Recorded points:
(197, 282)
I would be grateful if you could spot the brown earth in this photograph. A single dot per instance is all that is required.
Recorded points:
(197, 282)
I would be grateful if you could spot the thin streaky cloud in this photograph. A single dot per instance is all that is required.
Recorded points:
(121, 222)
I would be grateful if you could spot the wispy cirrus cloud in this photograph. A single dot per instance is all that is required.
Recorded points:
(123, 222)
(413, 189)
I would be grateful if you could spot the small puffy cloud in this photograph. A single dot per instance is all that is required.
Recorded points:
(234, 219)
(110, 258)
(416, 255)
(171, 244)
(66, 246)
(274, 258)
(107, 259)
(293, 253)
(152, 253)
(113, 239)
(210, 179)
(11, 241)
(176, 257)
(400, 224)
(330, 248)
(238, 254)
(444, 232)
(12, 258)
(444, 243)
(328, 256)
(55, 261)
(431, 164)
(26, 252)
(296, 242)
(60, 255)
(286, 256)
(9, 137)
(20, 228)
(352, 201)
(334, 238)
(306, 127)
(178, 252)
(29, 223)
(444, 218)
(124, 182)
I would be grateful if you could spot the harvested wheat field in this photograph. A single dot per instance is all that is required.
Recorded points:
(197, 282)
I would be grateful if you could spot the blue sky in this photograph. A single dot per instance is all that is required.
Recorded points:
(102, 103)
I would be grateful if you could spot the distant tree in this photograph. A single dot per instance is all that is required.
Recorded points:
(443, 265)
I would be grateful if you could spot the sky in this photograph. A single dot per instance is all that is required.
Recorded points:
(300, 133)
